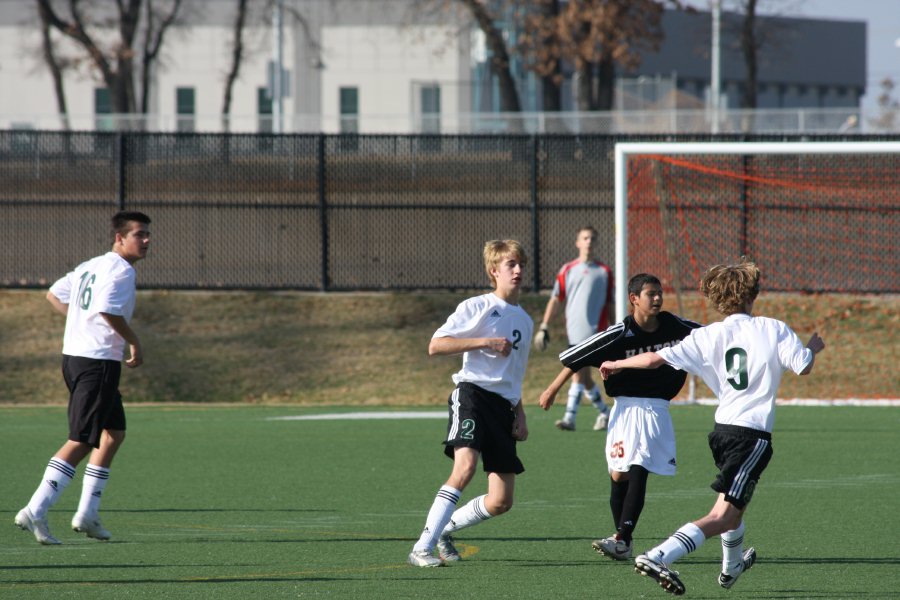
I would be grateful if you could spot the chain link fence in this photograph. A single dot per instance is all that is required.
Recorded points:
(312, 212)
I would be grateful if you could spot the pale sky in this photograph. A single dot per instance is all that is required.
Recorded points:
(883, 32)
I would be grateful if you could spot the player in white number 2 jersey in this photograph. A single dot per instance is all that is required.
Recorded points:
(98, 300)
(486, 417)
(742, 360)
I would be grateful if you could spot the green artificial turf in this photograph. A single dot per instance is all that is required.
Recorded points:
(225, 502)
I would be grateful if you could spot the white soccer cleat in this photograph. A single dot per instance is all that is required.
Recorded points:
(90, 526)
(665, 577)
(421, 558)
(749, 558)
(447, 550)
(602, 421)
(612, 547)
(565, 425)
(27, 522)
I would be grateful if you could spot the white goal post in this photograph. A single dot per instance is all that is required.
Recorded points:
(623, 151)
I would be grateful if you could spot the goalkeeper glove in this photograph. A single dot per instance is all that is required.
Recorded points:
(542, 338)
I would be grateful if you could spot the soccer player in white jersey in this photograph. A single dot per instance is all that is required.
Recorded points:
(98, 300)
(742, 360)
(486, 417)
(585, 286)
(641, 437)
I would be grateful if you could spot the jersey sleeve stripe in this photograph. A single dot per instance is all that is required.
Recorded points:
(593, 344)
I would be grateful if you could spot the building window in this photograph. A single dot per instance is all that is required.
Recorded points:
(263, 110)
(185, 109)
(430, 102)
(349, 98)
(102, 106)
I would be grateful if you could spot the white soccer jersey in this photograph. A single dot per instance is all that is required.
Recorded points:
(490, 316)
(587, 290)
(742, 360)
(103, 284)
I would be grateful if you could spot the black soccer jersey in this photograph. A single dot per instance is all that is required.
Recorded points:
(626, 339)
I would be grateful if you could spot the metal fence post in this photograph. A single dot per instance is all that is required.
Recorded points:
(535, 223)
(323, 208)
(120, 170)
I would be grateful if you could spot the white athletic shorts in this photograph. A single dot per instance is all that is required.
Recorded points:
(640, 432)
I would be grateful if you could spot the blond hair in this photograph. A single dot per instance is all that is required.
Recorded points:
(731, 288)
(496, 250)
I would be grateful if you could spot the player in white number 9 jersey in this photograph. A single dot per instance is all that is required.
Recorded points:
(742, 360)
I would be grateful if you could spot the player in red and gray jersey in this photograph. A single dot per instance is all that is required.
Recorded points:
(585, 286)
(742, 360)
(641, 437)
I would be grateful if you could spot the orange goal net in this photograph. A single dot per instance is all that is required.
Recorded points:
(816, 216)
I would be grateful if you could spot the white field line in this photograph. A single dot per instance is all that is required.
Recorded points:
(360, 416)
(356, 416)
(810, 402)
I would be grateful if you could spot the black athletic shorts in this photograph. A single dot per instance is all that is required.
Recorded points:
(483, 420)
(95, 403)
(741, 454)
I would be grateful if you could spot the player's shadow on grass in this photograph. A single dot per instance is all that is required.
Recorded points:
(215, 510)
(198, 581)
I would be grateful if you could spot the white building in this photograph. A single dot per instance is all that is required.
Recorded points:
(382, 66)
(343, 61)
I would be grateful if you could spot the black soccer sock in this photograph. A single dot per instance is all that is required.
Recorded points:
(634, 501)
(617, 492)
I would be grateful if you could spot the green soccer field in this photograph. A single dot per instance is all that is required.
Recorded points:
(233, 502)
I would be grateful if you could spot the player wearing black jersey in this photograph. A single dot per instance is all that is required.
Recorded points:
(641, 438)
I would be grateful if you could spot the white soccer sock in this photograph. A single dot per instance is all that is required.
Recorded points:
(575, 391)
(438, 517)
(682, 542)
(95, 479)
(733, 550)
(57, 476)
(472, 513)
(593, 395)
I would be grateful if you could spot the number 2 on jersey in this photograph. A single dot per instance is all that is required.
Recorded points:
(736, 363)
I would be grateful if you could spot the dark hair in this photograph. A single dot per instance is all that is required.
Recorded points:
(120, 220)
(637, 283)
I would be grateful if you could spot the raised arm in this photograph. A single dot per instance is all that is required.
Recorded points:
(647, 360)
(816, 344)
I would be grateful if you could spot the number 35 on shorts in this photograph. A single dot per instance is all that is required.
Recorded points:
(617, 449)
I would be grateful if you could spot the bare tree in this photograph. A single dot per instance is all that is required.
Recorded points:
(749, 49)
(56, 65)
(237, 55)
(750, 35)
(116, 63)
(500, 60)
(540, 45)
